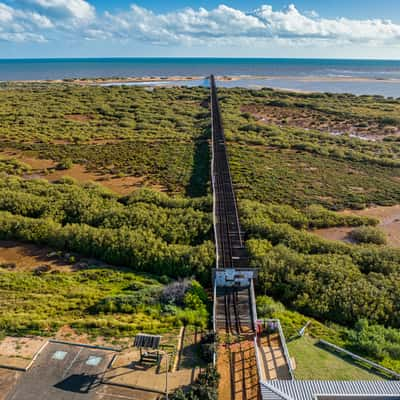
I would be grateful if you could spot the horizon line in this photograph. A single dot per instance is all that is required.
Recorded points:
(195, 58)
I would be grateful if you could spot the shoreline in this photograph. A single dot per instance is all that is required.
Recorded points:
(223, 78)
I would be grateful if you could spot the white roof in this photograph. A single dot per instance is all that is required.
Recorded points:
(309, 390)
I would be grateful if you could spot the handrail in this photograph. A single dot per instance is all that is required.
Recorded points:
(212, 177)
(285, 349)
(253, 304)
(359, 358)
(261, 372)
(284, 345)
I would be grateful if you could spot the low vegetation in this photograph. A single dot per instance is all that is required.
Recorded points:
(158, 134)
(287, 164)
(368, 235)
(290, 176)
(98, 301)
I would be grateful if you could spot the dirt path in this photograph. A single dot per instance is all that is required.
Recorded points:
(223, 363)
(238, 370)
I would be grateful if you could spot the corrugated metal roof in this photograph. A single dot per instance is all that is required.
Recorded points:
(308, 390)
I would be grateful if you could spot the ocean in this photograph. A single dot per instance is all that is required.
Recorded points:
(379, 77)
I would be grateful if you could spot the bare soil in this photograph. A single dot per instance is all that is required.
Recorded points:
(78, 117)
(68, 334)
(123, 185)
(43, 168)
(18, 256)
(22, 347)
(340, 233)
(306, 118)
(26, 257)
(389, 217)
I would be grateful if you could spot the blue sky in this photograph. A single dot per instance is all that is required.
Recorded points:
(270, 28)
(329, 8)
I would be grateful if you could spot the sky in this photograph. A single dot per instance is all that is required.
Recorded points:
(199, 28)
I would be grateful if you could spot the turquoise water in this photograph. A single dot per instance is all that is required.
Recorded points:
(281, 73)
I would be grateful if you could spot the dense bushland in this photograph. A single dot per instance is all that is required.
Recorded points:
(74, 113)
(325, 279)
(329, 287)
(289, 181)
(146, 231)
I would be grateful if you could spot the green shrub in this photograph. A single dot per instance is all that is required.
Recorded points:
(368, 235)
(65, 164)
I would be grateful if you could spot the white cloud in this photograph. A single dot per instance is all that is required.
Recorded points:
(6, 13)
(41, 21)
(229, 24)
(291, 23)
(186, 26)
(223, 25)
(76, 9)
(21, 26)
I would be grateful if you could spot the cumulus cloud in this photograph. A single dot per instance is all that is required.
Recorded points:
(291, 23)
(225, 23)
(21, 26)
(75, 9)
(77, 19)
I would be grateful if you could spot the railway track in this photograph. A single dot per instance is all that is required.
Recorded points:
(233, 311)
(231, 252)
(233, 304)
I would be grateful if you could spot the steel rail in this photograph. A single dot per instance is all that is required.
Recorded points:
(228, 236)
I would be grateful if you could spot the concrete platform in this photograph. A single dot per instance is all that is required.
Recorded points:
(63, 372)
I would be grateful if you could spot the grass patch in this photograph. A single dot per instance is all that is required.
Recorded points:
(313, 362)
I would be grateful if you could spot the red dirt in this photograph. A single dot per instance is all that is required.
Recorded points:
(29, 256)
(389, 217)
(124, 185)
(21, 347)
(340, 233)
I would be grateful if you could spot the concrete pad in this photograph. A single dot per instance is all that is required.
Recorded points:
(62, 372)
(8, 379)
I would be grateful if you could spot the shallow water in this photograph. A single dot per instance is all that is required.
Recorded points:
(378, 87)
(281, 73)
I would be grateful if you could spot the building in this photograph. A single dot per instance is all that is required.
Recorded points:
(330, 390)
